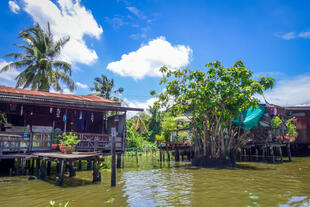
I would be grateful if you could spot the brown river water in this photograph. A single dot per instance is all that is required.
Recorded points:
(150, 183)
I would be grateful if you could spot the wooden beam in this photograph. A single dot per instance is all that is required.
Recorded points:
(113, 170)
(61, 174)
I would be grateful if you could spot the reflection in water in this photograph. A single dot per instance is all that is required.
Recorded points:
(174, 184)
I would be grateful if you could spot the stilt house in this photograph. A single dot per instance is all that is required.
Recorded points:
(33, 117)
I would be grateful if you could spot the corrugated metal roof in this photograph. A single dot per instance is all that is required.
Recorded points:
(88, 98)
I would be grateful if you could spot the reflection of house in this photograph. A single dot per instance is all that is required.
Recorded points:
(32, 116)
(302, 113)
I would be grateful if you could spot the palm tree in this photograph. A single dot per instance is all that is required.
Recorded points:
(105, 88)
(140, 122)
(42, 70)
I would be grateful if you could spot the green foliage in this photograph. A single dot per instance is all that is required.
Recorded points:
(105, 165)
(135, 140)
(140, 123)
(275, 122)
(214, 98)
(41, 69)
(105, 88)
(155, 122)
(291, 128)
(69, 139)
(56, 133)
(3, 118)
(160, 138)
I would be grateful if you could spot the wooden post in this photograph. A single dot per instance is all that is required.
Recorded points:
(38, 167)
(168, 154)
(176, 154)
(32, 167)
(272, 154)
(60, 181)
(96, 173)
(30, 139)
(43, 170)
(182, 155)
(89, 165)
(280, 153)
(58, 167)
(18, 166)
(49, 164)
(113, 170)
(263, 153)
(256, 153)
(288, 148)
(80, 165)
(163, 154)
(137, 161)
(23, 166)
(119, 160)
(160, 154)
(71, 169)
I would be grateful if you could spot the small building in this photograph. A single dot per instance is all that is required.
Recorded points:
(302, 113)
(34, 116)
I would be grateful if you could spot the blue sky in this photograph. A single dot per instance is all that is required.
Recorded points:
(129, 40)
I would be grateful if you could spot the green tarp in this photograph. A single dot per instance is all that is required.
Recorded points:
(250, 117)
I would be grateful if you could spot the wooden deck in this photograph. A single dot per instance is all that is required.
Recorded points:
(71, 157)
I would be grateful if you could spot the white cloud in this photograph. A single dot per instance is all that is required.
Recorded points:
(68, 17)
(290, 92)
(9, 75)
(304, 34)
(81, 85)
(287, 36)
(148, 59)
(138, 104)
(293, 35)
(64, 91)
(14, 7)
(116, 22)
(136, 12)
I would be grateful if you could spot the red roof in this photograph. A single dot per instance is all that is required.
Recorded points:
(5, 89)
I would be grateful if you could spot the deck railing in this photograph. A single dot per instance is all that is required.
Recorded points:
(94, 142)
(15, 142)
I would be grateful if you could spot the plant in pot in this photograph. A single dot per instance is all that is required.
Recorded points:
(56, 133)
(275, 125)
(69, 142)
(291, 132)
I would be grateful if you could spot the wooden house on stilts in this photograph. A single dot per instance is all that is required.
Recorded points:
(34, 116)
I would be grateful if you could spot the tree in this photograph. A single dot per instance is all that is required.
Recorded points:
(155, 122)
(140, 122)
(42, 70)
(214, 99)
(104, 88)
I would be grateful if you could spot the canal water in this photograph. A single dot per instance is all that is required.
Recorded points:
(149, 183)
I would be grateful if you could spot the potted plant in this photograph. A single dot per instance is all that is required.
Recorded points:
(69, 142)
(275, 125)
(56, 133)
(291, 132)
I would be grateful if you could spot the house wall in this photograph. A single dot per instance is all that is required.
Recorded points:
(303, 126)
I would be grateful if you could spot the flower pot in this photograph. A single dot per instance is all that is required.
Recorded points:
(61, 147)
(54, 146)
(69, 150)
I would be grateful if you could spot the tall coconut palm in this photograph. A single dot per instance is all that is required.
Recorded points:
(105, 88)
(41, 69)
(140, 122)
